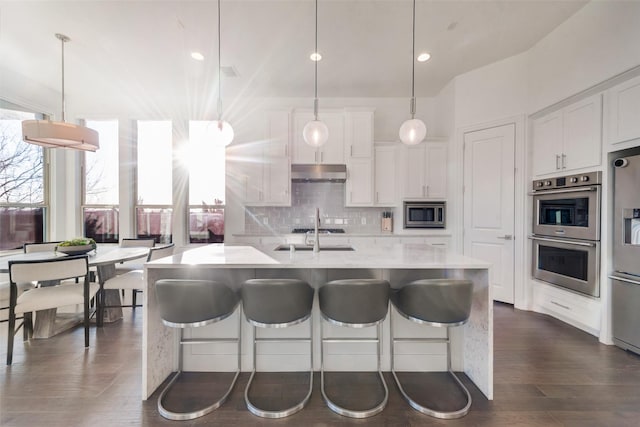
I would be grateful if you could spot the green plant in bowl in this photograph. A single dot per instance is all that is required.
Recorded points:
(77, 246)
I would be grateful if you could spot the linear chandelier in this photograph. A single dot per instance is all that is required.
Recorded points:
(50, 134)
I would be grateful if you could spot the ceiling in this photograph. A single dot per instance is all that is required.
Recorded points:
(143, 47)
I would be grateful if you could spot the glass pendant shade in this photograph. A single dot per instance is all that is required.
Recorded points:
(315, 133)
(412, 132)
(222, 132)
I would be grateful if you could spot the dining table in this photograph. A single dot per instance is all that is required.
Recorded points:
(104, 258)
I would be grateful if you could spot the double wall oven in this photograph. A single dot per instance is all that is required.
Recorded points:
(566, 232)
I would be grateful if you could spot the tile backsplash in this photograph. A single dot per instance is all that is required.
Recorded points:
(305, 197)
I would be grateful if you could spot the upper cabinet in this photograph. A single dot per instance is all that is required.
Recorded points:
(623, 105)
(332, 152)
(568, 139)
(425, 171)
(385, 175)
(359, 133)
(358, 154)
(267, 167)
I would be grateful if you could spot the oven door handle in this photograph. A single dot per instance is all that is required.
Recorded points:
(567, 190)
(569, 242)
(623, 279)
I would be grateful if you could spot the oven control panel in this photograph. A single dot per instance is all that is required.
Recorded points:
(569, 181)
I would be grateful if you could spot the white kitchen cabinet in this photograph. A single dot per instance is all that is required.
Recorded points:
(332, 152)
(580, 311)
(426, 171)
(623, 107)
(385, 175)
(568, 139)
(359, 188)
(358, 134)
(267, 173)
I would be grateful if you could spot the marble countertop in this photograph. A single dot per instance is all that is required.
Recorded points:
(342, 235)
(395, 256)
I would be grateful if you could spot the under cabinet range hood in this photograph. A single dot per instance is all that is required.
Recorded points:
(318, 173)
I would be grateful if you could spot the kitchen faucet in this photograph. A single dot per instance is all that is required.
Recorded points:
(316, 242)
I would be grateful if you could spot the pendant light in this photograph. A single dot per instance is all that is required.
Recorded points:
(223, 132)
(413, 131)
(315, 132)
(50, 134)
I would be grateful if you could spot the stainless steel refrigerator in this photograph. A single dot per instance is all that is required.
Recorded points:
(625, 290)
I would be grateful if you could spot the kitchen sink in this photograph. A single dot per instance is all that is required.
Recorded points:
(299, 247)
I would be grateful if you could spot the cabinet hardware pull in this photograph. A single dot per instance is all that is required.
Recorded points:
(561, 305)
(505, 237)
(351, 150)
(557, 161)
(564, 164)
(377, 197)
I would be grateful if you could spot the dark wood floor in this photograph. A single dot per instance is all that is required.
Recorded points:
(546, 374)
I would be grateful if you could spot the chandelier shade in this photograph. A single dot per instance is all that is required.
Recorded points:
(50, 134)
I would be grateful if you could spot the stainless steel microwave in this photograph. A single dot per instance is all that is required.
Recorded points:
(424, 214)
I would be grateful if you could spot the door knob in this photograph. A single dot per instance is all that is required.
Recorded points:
(506, 237)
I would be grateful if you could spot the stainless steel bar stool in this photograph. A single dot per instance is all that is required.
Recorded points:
(277, 303)
(190, 304)
(434, 302)
(354, 303)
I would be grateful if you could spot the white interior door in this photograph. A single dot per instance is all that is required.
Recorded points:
(489, 205)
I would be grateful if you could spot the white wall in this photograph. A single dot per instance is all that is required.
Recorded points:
(492, 92)
(597, 43)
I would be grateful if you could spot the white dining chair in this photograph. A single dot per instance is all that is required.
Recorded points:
(40, 247)
(47, 297)
(134, 279)
(127, 266)
(5, 293)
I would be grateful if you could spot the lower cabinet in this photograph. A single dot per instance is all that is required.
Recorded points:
(580, 311)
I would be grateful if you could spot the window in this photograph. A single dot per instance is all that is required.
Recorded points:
(154, 183)
(22, 182)
(101, 184)
(205, 162)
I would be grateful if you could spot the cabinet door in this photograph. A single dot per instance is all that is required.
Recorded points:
(359, 189)
(332, 152)
(547, 144)
(302, 153)
(277, 178)
(436, 171)
(582, 130)
(251, 164)
(624, 111)
(414, 185)
(359, 134)
(385, 175)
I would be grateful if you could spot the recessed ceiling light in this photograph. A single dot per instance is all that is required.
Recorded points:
(315, 56)
(423, 57)
(197, 56)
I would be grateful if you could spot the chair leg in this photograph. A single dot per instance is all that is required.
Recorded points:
(27, 326)
(350, 412)
(133, 298)
(284, 412)
(100, 302)
(10, 333)
(86, 312)
(447, 415)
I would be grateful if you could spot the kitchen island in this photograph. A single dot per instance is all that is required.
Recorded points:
(471, 345)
